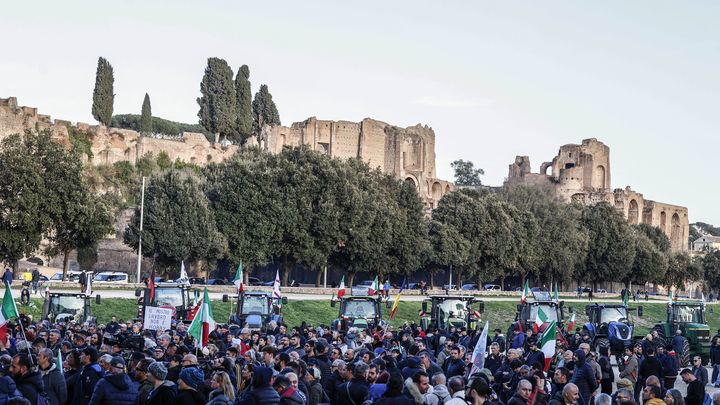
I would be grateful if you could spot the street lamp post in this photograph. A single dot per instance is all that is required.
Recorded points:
(142, 209)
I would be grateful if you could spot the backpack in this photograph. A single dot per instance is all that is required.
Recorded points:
(440, 401)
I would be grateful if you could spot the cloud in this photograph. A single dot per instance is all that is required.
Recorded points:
(432, 101)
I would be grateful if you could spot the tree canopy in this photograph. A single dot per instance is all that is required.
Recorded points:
(466, 174)
(218, 103)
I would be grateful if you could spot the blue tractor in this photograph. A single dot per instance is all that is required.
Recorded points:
(609, 326)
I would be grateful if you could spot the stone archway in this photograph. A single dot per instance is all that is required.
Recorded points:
(598, 179)
(436, 191)
(633, 212)
(675, 232)
(663, 221)
(413, 181)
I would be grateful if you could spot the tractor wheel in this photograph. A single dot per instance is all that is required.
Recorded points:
(601, 342)
(684, 357)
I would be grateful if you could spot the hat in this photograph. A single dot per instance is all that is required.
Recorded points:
(624, 383)
(158, 370)
(117, 362)
(192, 376)
(314, 372)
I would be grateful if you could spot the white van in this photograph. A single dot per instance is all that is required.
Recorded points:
(111, 277)
(71, 275)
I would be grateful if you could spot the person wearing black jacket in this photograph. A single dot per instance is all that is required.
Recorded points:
(90, 374)
(583, 377)
(695, 389)
(29, 383)
(355, 391)
(608, 375)
(650, 365)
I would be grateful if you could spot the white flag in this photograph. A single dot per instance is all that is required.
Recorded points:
(184, 279)
(478, 356)
(88, 286)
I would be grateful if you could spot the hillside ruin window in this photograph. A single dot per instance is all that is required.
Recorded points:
(675, 233)
(323, 148)
(569, 165)
(633, 213)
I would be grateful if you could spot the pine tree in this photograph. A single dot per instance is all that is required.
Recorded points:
(218, 104)
(103, 95)
(264, 109)
(244, 101)
(146, 126)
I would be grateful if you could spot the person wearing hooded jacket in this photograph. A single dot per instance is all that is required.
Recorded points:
(164, 391)
(53, 379)
(261, 392)
(29, 383)
(583, 377)
(8, 389)
(116, 388)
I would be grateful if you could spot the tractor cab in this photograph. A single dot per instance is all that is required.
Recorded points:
(451, 311)
(358, 310)
(167, 295)
(256, 308)
(64, 307)
(609, 326)
(689, 318)
(527, 313)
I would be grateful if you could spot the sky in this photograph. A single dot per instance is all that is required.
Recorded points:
(493, 79)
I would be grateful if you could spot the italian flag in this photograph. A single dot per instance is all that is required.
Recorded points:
(203, 322)
(341, 289)
(8, 311)
(525, 293)
(540, 319)
(238, 280)
(571, 324)
(375, 287)
(547, 343)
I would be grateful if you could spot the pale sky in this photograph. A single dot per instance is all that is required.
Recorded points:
(493, 79)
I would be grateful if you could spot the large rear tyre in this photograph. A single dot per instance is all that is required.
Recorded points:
(601, 342)
(684, 357)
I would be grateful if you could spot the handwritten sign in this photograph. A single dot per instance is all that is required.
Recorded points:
(157, 318)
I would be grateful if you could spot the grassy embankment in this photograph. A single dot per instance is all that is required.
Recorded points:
(499, 313)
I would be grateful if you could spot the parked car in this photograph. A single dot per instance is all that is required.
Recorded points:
(449, 287)
(111, 277)
(71, 275)
(492, 287)
(159, 280)
(216, 281)
(254, 281)
(601, 291)
(366, 283)
(469, 287)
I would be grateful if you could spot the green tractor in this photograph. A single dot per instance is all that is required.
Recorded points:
(689, 318)
(64, 307)
(451, 311)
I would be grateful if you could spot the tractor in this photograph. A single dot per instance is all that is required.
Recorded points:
(358, 310)
(64, 307)
(451, 311)
(689, 318)
(255, 309)
(609, 326)
(528, 311)
(167, 295)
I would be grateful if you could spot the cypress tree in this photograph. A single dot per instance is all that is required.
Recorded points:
(146, 126)
(264, 109)
(103, 95)
(218, 104)
(244, 101)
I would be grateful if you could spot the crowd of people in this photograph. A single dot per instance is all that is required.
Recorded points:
(120, 363)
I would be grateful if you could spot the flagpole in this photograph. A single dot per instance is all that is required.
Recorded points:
(142, 209)
(22, 329)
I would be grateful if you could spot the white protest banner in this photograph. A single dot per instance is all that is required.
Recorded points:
(157, 318)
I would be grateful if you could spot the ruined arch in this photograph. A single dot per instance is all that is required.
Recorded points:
(413, 181)
(447, 188)
(633, 212)
(663, 221)
(598, 179)
(675, 232)
(436, 191)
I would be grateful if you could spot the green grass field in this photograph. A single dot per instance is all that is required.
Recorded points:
(498, 313)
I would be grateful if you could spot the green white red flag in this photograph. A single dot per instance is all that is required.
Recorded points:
(238, 280)
(571, 324)
(547, 343)
(374, 287)
(8, 311)
(525, 293)
(540, 319)
(203, 322)
(341, 289)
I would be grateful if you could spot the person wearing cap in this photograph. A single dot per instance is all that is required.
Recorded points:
(190, 386)
(316, 394)
(53, 379)
(89, 375)
(262, 393)
(535, 357)
(116, 388)
(163, 391)
(141, 375)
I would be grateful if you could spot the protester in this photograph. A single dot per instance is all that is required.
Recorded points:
(28, 382)
(695, 388)
(53, 379)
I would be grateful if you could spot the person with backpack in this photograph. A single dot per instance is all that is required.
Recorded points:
(28, 382)
(440, 393)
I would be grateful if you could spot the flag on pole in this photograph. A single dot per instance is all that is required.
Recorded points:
(478, 356)
(374, 287)
(547, 344)
(196, 306)
(184, 279)
(197, 297)
(9, 309)
(58, 362)
(525, 293)
(151, 285)
(276, 287)
(571, 323)
(239, 280)
(341, 289)
(203, 322)
(88, 287)
(397, 300)
(556, 294)
(540, 319)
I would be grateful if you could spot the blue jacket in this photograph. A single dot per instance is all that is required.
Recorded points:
(454, 367)
(677, 344)
(584, 378)
(518, 341)
(115, 389)
(30, 385)
(7, 277)
(7, 389)
(259, 396)
(536, 358)
(85, 383)
(669, 365)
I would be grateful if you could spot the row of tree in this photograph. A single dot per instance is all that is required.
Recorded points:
(226, 104)
(44, 196)
(302, 208)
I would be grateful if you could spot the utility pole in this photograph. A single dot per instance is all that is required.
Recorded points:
(142, 209)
